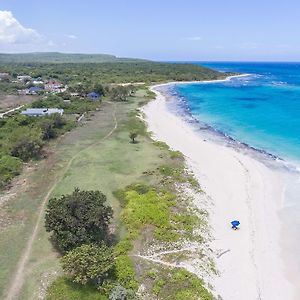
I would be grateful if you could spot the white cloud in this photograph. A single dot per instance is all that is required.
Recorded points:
(13, 32)
(194, 38)
(72, 36)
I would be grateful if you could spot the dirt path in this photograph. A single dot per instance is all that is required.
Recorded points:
(10, 111)
(18, 278)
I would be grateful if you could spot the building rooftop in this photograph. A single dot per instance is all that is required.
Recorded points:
(42, 111)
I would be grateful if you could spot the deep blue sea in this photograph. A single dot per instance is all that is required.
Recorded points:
(262, 110)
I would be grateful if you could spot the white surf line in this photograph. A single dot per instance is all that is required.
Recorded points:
(228, 78)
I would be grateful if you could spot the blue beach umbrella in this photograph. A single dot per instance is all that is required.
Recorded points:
(235, 223)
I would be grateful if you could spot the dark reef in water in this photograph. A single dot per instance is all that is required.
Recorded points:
(178, 105)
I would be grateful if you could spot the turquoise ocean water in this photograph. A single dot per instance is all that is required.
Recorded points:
(261, 111)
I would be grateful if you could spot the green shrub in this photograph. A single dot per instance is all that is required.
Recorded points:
(188, 286)
(166, 234)
(9, 167)
(120, 194)
(161, 145)
(88, 264)
(123, 247)
(25, 143)
(175, 154)
(119, 293)
(64, 289)
(146, 209)
(159, 284)
(170, 171)
(125, 272)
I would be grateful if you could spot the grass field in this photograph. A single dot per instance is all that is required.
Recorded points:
(86, 158)
(97, 155)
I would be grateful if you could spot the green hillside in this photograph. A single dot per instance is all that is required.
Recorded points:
(56, 57)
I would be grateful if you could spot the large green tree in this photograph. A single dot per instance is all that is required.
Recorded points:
(120, 93)
(88, 263)
(78, 218)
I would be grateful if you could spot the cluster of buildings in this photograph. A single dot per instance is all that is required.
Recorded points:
(39, 86)
(36, 86)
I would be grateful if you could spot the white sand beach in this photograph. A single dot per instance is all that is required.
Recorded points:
(240, 187)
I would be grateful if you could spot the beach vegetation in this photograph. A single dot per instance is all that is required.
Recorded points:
(9, 167)
(180, 284)
(88, 263)
(119, 293)
(125, 272)
(176, 154)
(146, 209)
(161, 145)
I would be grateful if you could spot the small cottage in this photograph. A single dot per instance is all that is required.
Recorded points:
(34, 90)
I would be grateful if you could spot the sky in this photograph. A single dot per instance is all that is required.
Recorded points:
(190, 30)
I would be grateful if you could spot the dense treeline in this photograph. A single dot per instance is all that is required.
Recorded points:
(75, 106)
(56, 57)
(72, 74)
(22, 139)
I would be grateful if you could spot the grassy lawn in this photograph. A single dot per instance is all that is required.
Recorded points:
(100, 156)
(64, 289)
(106, 165)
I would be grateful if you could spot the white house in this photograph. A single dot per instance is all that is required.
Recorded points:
(24, 78)
(38, 112)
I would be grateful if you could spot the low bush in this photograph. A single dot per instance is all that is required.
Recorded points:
(88, 264)
(125, 272)
(9, 167)
(64, 289)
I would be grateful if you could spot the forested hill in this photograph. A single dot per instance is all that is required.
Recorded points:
(56, 57)
(90, 68)
(112, 72)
